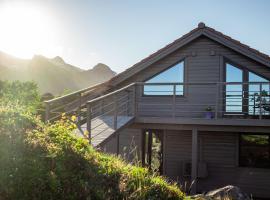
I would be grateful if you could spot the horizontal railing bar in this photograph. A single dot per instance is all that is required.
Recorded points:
(205, 83)
(65, 105)
(111, 93)
(107, 112)
(157, 104)
(75, 93)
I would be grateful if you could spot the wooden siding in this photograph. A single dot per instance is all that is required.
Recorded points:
(129, 144)
(110, 146)
(219, 150)
(203, 63)
(177, 151)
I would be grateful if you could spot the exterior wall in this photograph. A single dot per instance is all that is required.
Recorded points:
(177, 151)
(204, 62)
(220, 152)
(129, 144)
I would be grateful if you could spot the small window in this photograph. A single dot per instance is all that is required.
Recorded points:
(174, 74)
(254, 150)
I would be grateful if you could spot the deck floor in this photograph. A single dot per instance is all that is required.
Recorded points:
(103, 127)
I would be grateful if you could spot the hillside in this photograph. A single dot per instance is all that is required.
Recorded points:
(52, 75)
(47, 161)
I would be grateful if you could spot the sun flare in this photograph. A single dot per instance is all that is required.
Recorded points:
(26, 30)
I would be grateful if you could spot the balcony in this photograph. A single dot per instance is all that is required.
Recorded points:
(222, 103)
(236, 100)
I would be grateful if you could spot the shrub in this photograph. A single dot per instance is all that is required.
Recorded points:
(47, 161)
(24, 94)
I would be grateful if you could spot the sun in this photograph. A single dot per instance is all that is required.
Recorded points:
(25, 30)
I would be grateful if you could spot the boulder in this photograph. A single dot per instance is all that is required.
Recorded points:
(229, 192)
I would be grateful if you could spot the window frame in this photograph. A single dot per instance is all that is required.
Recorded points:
(239, 150)
(245, 87)
(171, 66)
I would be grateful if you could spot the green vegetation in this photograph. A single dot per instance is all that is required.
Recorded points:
(46, 161)
(256, 139)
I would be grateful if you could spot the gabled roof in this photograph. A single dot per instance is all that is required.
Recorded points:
(201, 30)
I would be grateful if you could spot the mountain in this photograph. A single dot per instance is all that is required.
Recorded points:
(52, 75)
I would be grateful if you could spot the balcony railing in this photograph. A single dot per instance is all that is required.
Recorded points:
(204, 100)
(110, 112)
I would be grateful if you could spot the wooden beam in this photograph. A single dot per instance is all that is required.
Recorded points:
(88, 121)
(150, 137)
(117, 143)
(201, 121)
(194, 159)
(211, 128)
(47, 112)
(143, 147)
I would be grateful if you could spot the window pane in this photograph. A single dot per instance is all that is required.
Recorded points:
(254, 99)
(174, 74)
(254, 151)
(234, 98)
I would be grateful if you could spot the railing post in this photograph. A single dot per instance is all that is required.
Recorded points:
(260, 100)
(135, 100)
(79, 108)
(174, 100)
(115, 112)
(128, 103)
(88, 121)
(217, 100)
(47, 111)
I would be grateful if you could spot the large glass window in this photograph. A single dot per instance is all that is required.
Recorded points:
(254, 150)
(174, 74)
(234, 92)
(255, 99)
(249, 94)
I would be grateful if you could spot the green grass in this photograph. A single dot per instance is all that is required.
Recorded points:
(46, 161)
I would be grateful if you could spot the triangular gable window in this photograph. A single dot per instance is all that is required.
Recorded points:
(174, 74)
(246, 92)
(258, 85)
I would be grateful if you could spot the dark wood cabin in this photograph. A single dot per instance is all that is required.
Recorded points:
(197, 110)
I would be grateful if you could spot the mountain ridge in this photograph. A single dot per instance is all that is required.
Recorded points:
(52, 75)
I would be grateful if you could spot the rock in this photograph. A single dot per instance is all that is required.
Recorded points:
(229, 192)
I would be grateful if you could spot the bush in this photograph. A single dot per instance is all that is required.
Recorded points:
(47, 161)
(24, 94)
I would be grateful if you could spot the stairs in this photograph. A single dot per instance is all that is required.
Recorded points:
(103, 128)
(108, 114)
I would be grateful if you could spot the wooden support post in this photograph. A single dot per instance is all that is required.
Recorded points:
(79, 109)
(88, 121)
(117, 143)
(115, 113)
(127, 103)
(135, 100)
(194, 160)
(260, 100)
(143, 145)
(149, 151)
(217, 101)
(47, 112)
(174, 100)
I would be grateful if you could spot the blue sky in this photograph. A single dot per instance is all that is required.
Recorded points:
(122, 32)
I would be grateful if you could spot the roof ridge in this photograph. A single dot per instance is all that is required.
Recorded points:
(238, 42)
(203, 28)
